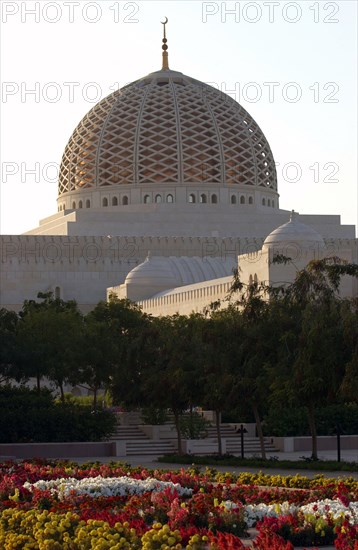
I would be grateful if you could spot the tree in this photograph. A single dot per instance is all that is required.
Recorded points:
(169, 378)
(8, 324)
(48, 340)
(318, 369)
(349, 386)
(319, 352)
(255, 348)
(220, 343)
(111, 336)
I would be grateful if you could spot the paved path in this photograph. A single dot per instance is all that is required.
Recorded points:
(152, 463)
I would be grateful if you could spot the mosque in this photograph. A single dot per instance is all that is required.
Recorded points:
(165, 185)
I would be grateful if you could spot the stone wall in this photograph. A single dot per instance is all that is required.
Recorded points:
(82, 268)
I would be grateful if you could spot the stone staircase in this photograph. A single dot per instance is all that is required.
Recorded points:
(137, 443)
(233, 441)
(128, 433)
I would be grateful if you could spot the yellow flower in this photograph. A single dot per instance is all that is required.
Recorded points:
(16, 496)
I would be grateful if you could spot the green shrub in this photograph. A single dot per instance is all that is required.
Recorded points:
(154, 416)
(32, 416)
(237, 416)
(193, 426)
(293, 421)
(103, 400)
(345, 415)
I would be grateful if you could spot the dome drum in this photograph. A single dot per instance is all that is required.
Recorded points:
(123, 196)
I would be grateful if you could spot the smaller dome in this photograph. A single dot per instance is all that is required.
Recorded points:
(153, 271)
(294, 233)
(159, 273)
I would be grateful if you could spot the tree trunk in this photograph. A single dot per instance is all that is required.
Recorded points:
(259, 430)
(218, 432)
(94, 398)
(312, 425)
(177, 427)
(191, 423)
(62, 392)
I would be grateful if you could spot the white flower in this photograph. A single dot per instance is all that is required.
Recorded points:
(229, 505)
(333, 509)
(324, 508)
(104, 486)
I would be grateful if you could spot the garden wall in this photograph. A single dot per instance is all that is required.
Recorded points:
(59, 450)
(324, 443)
(160, 431)
(202, 446)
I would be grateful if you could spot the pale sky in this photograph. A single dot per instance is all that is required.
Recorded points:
(292, 65)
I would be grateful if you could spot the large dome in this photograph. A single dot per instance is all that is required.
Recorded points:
(160, 132)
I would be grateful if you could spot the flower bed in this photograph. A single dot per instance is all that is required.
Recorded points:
(60, 505)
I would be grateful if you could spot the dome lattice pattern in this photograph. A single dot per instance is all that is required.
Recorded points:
(167, 128)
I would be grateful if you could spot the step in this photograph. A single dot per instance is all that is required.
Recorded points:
(233, 440)
(250, 444)
(149, 447)
(128, 433)
(257, 449)
(225, 430)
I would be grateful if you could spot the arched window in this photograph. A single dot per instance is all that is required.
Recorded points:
(263, 202)
(60, 208)
(242, 199)
(57, 293)
(269, 202)
(251, 200)
(80, 204)
(74, 205)
(214, 199)
(203, 198)
(170, 198)
(125, 200)
(233, 199)
(250, 280)
(114, 201)
(88, 203)
(146, 199)
(192, 198)
(158, 198)
(255, 279)
(63, 207)
(273, 204)
(105, 201)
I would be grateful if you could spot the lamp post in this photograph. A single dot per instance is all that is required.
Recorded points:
(242, 431)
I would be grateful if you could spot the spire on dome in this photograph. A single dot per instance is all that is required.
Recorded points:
(165, 66)
(293, 216)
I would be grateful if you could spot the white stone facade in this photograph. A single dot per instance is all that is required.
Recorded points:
(149, 284)
(82, 268)
(167, 165)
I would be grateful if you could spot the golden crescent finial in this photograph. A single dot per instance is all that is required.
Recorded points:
(165, 66)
